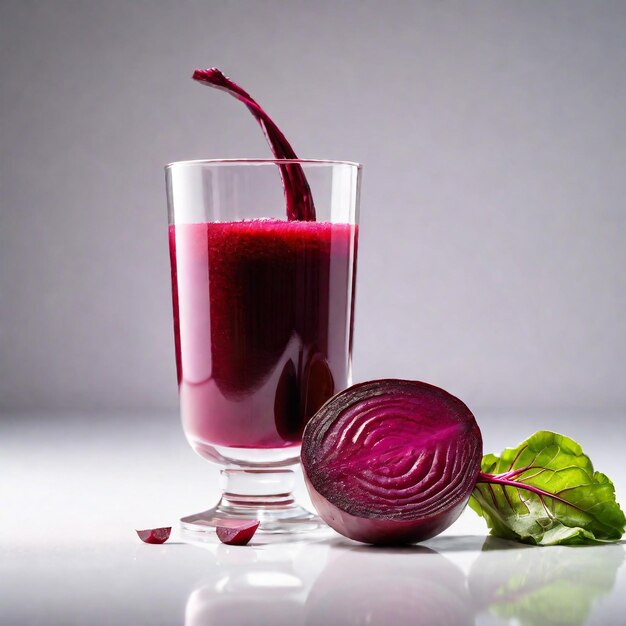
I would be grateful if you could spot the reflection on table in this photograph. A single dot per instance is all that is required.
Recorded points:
(336, 582)
(552, 586)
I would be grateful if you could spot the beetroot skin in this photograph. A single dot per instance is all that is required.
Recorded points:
(391, 461)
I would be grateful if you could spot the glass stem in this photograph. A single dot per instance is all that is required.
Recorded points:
(251, 489)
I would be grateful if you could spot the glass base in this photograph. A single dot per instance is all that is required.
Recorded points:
(264, 495)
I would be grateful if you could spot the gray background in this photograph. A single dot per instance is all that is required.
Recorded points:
(493, 220)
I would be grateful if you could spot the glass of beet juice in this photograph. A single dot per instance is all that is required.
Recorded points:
(263, 320)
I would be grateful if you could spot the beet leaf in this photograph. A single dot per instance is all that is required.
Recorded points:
(546, 492)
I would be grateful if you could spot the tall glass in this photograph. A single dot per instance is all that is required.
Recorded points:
(263, 322)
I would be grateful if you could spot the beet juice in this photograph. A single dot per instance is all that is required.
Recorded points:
(260, 311)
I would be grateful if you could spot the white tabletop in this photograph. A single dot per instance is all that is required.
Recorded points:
(73, 488)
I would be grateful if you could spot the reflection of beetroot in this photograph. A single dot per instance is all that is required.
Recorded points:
(363, 586)
(318, 385)
(286, 403)
(237, 533)
(295, 403)
(391, 461)
(155, 535)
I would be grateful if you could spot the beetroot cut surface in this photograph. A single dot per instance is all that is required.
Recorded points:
(155, 535)
(297, 191)
(237, 533)
(391, 461)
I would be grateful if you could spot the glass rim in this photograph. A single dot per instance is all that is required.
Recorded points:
(254, 161)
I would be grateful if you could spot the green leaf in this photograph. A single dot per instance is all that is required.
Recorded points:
(546, 492)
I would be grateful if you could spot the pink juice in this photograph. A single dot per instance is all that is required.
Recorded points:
(263, 327)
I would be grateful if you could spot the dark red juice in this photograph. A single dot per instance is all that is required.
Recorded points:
(263, 326)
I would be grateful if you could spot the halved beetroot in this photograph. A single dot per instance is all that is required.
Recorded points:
(391, 461)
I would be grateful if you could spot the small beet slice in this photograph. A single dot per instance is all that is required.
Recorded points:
(391, 461)
(237, 533)
(155, 535)
(297, 191)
